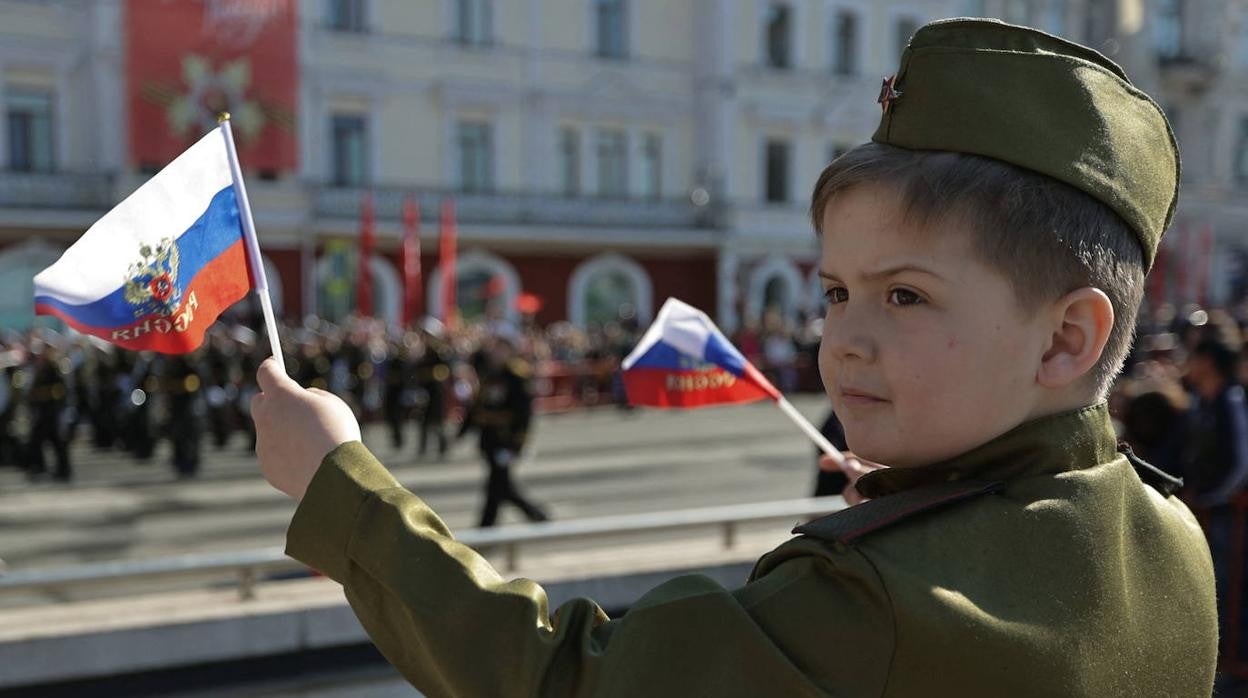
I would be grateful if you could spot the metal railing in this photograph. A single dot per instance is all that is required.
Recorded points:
(59, 190)
(503, 207)
(248, 565)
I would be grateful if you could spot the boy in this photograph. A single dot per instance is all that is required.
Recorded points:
(983, 261)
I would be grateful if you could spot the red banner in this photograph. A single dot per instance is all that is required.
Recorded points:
(189, 60)
(447, 263)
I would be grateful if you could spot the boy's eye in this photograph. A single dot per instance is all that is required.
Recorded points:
(836, 294)
(904, 296)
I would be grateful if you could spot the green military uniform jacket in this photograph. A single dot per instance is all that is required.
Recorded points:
(1038, 564)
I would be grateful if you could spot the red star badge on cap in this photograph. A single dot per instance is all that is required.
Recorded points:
(888, 93)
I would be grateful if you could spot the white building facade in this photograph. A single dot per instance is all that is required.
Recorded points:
(602, 154)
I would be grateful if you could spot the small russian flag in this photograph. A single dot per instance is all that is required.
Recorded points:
(684, 360)
(159, 268)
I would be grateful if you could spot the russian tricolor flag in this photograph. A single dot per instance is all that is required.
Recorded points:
(158, 269)
(684, 360)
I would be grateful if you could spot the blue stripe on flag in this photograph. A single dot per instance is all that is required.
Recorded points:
(718, 351)
(721, 352)
(213, 233)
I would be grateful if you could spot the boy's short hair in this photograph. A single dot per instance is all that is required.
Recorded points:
(1044, 236)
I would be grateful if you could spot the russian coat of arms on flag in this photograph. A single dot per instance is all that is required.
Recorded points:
(158, 269)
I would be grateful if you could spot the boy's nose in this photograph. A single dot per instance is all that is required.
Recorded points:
(845, 339)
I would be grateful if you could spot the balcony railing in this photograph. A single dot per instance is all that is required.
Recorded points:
(55, 190)
(519, 208)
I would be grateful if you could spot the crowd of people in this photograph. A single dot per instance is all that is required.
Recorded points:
(54, 386)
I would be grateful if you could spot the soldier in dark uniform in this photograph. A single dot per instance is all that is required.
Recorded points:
(139, 388)
(220, 358)
(105, 399)
(396, 377)
(983, 260)
(430, 375)
(10, 394)
(502, 412)
(183, 387)
(48, 400)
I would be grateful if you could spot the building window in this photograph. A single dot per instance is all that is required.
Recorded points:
(612, 163)
(1053, 20)
(349, 136)
(778, 36)
(845, 43)
(611, 29)
(30, 131)
(346, 15)
(652, 166)
(476, 156)
(475, 22)
(1241, 154)
(1168, 29)
(905, 27)
(570, 161)
(777, 171)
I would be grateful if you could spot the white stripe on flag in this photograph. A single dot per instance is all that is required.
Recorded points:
(164, 207)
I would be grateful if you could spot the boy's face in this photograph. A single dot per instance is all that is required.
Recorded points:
(926, 353)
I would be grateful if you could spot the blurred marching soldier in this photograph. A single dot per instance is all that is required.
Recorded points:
(137, 392)
(219, 359)
(10, 444)
(245, 390)
(502, 412)
(48, 399)
(182, 384)
(396, 376)
(105, 399)
(431, 373)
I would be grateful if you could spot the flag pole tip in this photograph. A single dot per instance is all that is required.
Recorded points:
(223, 117)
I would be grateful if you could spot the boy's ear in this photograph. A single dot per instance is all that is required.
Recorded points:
(1082, 321)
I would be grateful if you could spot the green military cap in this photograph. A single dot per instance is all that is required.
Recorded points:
(1040, 102)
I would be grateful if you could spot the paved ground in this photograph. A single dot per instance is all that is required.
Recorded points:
(583, 465)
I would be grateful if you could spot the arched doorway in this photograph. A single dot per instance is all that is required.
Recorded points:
(483, 282)
(607, 287)
(775, 285)
(336, 282)
(18, 266)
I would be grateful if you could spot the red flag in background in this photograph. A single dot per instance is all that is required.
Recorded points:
(364, 273)
(446, 261)
(410, 255)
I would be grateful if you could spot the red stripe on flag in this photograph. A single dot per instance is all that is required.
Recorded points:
(656, 387)
(217, 286)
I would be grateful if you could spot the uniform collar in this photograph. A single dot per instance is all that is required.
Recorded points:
(1057, 443)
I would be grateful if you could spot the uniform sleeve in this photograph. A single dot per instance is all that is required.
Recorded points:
(807, 625)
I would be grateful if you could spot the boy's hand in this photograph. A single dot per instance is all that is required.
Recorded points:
(854, 468)
(296, 429)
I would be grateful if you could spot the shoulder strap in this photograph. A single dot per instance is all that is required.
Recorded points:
(1150, 474)
(847, 525)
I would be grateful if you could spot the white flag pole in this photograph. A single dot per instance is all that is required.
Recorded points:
(253, 243)
(804, 424)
